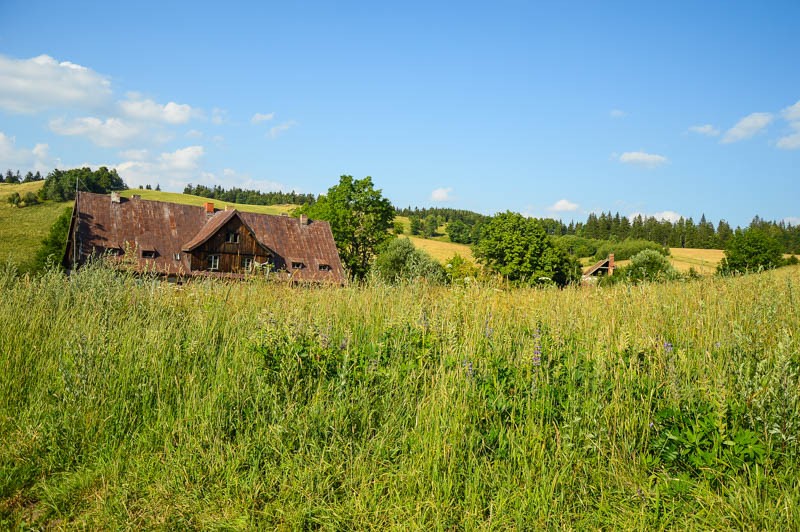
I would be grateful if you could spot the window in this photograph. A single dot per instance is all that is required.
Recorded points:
(232, 238)
(247, 263)
(176, 256)
(148, 254)
(324, 267)
(213, 262)
(298, 265)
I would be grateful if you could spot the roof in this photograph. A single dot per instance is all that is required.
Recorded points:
(172, 229)
(599, 265)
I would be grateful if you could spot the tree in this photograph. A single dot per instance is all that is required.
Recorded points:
(60, 184)
(54, 245)
(751, 250)
(458, 232)
(518, 248)
(360, 218)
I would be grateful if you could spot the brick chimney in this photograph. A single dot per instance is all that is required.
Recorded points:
(611, 265)
(209, 206)
(115, 197)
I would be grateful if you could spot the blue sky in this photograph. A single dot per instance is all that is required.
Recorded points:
(677, 108)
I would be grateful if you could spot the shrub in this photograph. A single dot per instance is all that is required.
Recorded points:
(460, 270)
(627, 249)
(401, 261)
(751, 250)
(647, 265)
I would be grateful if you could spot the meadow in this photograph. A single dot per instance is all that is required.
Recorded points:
(131, 403)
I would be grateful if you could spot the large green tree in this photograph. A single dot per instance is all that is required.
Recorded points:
(360, 218)
(519, 249)
(59, 185)
(751, 250)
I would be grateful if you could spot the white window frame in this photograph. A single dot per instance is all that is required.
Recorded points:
(247, 263)
(213, 262)
(232, 237)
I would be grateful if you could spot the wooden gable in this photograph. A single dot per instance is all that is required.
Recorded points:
(235, 247)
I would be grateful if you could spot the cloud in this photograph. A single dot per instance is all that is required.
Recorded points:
(640, 158)
(617, 113)
(106, 133)
(37, 158)
(563, 205)
(670, 216)
(708, 130)
(174, 169)
(218, 116)
(747, 127)
(792, 115)
(275, 131)
(149, 111)
(792, 220)
(136, 155)
(194, 134)
(39, 83)
(258, 117)
(441, 194)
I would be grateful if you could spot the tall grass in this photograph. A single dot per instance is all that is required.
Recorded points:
(128, 403)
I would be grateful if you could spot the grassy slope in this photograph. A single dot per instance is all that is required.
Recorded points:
(22, 229)
(136, 405)
(187, 199)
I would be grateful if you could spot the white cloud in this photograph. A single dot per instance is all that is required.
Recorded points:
(707, 130)
(650, 160)
(149, 111)
(792, 220)
(258, 117)
(441, 194)
(183, 159)
(563, 205)
(32, 85)
(172, 169)
(275, 131)
(194, 134)
(670, 216)
(747, 127)
(219, 116)
(792, 115)
(106, 133)
(617, 113)
(36, 159)
(136, 155)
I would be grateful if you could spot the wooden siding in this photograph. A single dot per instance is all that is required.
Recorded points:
(230, 254)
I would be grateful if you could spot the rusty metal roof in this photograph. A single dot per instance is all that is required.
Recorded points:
(170, 229)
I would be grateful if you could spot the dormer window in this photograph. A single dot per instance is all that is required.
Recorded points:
(176, 256)
(148, 254)
(232, 238)
(298, 265)
(324, 267)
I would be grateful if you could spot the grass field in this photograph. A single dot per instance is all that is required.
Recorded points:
(187, 199)
(442, 251)
(22, 229)
(130, 404)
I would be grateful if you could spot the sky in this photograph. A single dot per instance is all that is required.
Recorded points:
(549, 109)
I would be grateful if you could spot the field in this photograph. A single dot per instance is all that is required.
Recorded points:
(22, 229)
(442, 251)
(127, 403)
(188, 199)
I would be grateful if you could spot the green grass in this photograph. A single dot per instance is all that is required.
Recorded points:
(127, 403)
(22, 229)
(187, 199)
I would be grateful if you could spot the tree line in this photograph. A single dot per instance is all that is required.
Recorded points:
(249, 196)
(14, 178)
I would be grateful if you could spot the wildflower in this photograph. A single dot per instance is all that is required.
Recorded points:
(537, 360)
(668, 347)
(468, 366)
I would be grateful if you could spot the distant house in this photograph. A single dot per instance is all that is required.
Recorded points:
(184, 241)
(603, 267)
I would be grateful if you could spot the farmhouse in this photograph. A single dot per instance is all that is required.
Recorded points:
(183, 240)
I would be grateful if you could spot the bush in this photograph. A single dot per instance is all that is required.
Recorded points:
(401, 261)
(580, 246)
(751, 250)
(627, 249)
(460, 270)
(647, 265)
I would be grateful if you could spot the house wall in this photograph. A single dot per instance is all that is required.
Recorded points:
(230, 254)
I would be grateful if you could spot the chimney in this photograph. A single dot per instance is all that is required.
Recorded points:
(611, 264)
(209, 206)
(115, 197)
(303, 219)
